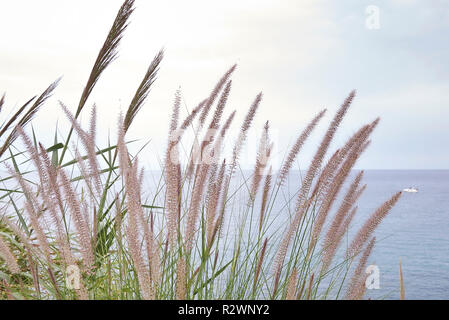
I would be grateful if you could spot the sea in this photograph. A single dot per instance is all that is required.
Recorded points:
(415, 233)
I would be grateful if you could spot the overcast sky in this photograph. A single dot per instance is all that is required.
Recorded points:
(303, 55)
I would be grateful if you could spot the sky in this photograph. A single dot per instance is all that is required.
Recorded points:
(303, 55)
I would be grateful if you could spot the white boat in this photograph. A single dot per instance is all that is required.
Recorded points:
(411, 190)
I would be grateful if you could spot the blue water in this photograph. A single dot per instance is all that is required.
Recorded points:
(415, 232)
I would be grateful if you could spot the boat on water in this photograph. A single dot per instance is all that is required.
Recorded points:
(411, 190)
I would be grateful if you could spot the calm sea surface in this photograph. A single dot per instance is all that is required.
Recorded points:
(416, 232)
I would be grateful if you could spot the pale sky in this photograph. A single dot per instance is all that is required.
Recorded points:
(303, 55)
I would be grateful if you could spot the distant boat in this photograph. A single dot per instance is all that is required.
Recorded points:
(411, 190)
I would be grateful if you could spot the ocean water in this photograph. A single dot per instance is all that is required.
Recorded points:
(416, 232)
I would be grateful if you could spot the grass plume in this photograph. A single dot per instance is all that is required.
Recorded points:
(200, 231)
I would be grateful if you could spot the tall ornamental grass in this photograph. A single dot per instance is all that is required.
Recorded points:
(77, 223)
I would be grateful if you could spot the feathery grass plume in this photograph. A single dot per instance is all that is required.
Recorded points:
(13, 134)
(129, 172)
(345, 225)
(91, 153)
(79, 219)
(172, 174)
(124, 161)
(143, 90)
(78, 214)
(83, 170)
(27, 117)
(259, 263)
(48, 191)
(371, 224)
(220, 107)
(132, 230)
(195, 203)
(204, 112)
(328, 174)
(335, 187)
(266, 190)
(187, 122)
(263, 155)
(214, 191)
(244, 132)
(189, 119)
(208, 153)
(224, 129)
(34, 156)
(302, 202)
(325, 179)
(33, 210)
(309, 288)
(223, 184)
(329, 171)
(239, 145)
(34, 273)
(93, 122)
(181, 279)
(155, 262)
(14, 117)
(147, 233)
(175, 113)
(38, 103)
(53, 199)
(219, 219)
(220, 178)
(88, 140)
(356, 288)
(331, 240)
(201, 176)
(8, 257)
(211, 181)
(286, 166)
(291, 286)
(227, 124)
(401, 280)
(214, 94)
(107, 54)
(52, 175)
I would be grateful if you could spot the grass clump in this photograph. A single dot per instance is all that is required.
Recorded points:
(85, 228)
